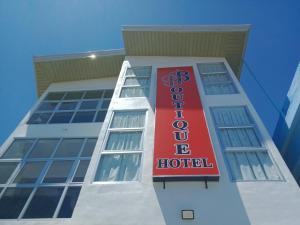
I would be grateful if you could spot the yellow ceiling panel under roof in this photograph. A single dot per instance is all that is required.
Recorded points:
(194, 41)
(227, 41)
(82, 66)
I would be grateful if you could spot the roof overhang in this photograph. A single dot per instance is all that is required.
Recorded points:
(82, 66)
(228, 41)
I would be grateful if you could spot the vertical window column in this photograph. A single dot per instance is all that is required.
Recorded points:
(136, 83)
(216, 79)
(248, 159)
(121, 157)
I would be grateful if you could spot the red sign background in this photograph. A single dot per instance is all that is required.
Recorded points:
(194, 159)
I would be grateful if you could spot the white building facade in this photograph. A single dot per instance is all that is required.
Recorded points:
(84, 153)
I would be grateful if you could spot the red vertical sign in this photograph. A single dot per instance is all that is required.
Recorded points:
(182, 148)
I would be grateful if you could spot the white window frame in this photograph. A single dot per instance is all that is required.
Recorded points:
(75, 110)
(39, 182)
(113, 152)
(229, 150)
(230, 81)
(147, 87)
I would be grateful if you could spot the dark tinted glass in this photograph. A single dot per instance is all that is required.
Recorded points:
(73, 95)
(58, 171)
(100, 116)
(6, 169)
(69, 202)
(81, 171)
(30, 172)
(93, 94)
(69, 148)
(84, 117)
(61, 117)
(89, 147)
(44, 202)
(43, 148)
(108, 93)
(55, 96)
(89, 105)
(68, 105)
(47, 106)
(38, 118)
(13, 201)
(105, 104)
(18, 149)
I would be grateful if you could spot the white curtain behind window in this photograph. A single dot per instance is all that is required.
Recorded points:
(211, 68)
(128, 119)
(124, 140)
(236, 128)
(119, 167)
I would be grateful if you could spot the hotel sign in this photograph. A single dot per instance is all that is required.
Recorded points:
(182, 147)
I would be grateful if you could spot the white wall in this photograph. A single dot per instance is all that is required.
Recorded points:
(144, 202)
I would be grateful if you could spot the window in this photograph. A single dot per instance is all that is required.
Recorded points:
(247, 157)
(72, 107)
(121, 157)
(216, 79)
(137, 82)
(42, 178)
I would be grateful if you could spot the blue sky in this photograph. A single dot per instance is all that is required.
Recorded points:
(30, 28)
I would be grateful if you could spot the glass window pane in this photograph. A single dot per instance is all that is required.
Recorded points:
(58, 171)
(216, 78)
(73, 95)
(55, 96)
(18, 149)
(47, 106)
(211, 67)
(256, 166)
(137, 81)
(128, 119)
(89, 147)
(138, 71)
(93, 94)
(89, 105)
(100, 116)
(84, 117)
(67, 105)
(44, 202)
(61, 117)
(108, 93)
(108, 168)
(43, 148)
(124, 141)
(244, 166)
(81, 171)
(239, 137)
(39, 118)
(105, 104)
(69, 202)
(118, 167)
(13, 201)
(6, 169)
(134, 92)
(130, 167)
(30, 172)
(217, 89)
(231, 116)
(234, 167)
(268, 166)
(69, 148)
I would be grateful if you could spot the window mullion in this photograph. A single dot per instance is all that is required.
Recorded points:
(27, 202)
(60, 202)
